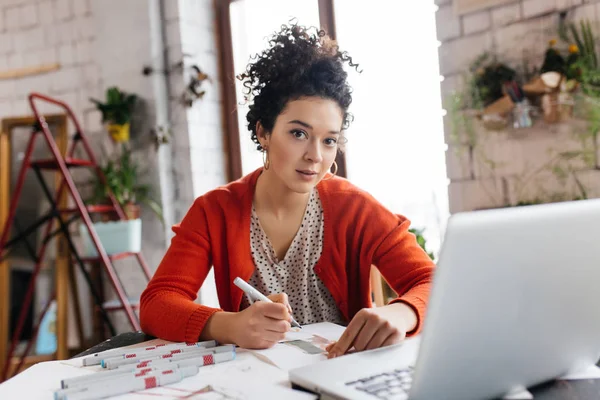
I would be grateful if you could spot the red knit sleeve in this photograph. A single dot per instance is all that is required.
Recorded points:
(406, 267)
(167, 308)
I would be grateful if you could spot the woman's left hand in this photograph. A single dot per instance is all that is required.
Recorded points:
(375, 327)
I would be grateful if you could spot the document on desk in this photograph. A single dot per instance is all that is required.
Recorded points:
(302, 346)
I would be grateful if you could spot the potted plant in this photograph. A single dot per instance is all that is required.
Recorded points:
(116, 112)
(122, 179)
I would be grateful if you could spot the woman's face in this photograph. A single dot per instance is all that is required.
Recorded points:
(304, 142)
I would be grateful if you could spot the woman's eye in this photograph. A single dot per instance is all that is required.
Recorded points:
(298, 134)
(330, 142)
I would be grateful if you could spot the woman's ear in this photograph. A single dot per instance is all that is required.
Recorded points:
(262, 135)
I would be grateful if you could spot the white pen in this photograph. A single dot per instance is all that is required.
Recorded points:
(255, 294)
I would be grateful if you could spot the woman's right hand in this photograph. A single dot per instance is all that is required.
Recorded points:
(261, 325)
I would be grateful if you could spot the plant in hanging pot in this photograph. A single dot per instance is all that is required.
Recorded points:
(116, 113)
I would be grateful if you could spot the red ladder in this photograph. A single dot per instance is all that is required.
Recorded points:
(80, 211)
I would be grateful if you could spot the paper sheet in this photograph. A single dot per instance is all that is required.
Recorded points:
(287, 357)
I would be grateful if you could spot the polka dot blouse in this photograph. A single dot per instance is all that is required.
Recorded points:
(310, 300)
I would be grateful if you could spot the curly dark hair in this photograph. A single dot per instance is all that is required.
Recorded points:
(299, 62)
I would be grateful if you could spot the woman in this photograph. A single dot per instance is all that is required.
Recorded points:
(291, 229)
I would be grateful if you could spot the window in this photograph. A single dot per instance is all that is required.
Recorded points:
(396, 146)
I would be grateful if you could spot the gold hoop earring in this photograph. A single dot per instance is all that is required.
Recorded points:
(332, 173)
(335, 168)
(266, 161)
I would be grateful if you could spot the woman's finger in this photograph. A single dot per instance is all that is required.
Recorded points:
(347, 339)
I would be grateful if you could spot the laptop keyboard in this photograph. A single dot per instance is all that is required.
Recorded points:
(390, 385)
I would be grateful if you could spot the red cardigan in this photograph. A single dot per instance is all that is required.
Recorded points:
(358, 232)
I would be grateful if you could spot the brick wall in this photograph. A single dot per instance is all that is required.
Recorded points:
(514, 32)
(102, 43)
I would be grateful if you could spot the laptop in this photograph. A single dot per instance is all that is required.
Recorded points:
(515, 302)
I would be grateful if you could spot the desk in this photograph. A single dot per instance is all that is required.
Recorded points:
(555, 390)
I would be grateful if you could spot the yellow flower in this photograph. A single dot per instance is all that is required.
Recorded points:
(573, 49)
(552, 42)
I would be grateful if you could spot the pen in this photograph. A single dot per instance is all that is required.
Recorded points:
(96, 359)
(126, 384)
(253, 293)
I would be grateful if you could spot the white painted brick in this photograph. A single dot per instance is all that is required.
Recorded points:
(518, 152)
(15, 60)
(30, 39)
(33, 58)
(530, 35)
(63, 9)
(6, 108)
(46, 12)
(28, 15)
(66, 32)
(66, 54)
(8, 89)
(20, 107)
(83, 7)
(565, 4)
(506, 15)
(458, 163)
(590, 179)
(457, 55)
(11, 18)
(85, 28)
(10, 3)
(542, 187)
(476, 22)
(3, 62)
(533, 8)
(6, 43)
(475, 195)
(83, 52)
(92, 121)
(587, 11)
(448, 25)
(64, 80)
(35, 83)
(451, 84)
(91, 75)
(51, 36)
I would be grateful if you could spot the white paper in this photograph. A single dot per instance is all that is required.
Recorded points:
(288, 357)
(327, 330)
